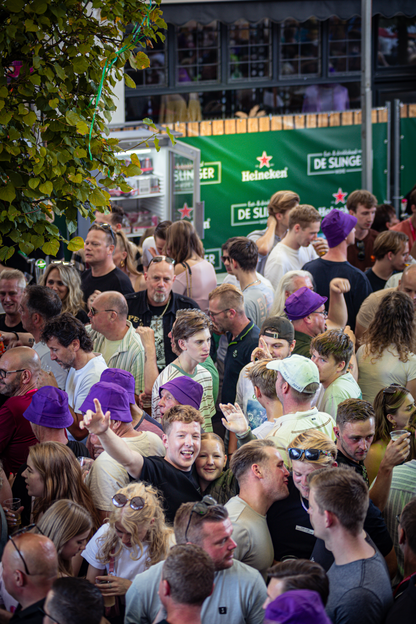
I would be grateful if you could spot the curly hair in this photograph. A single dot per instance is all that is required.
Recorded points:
(74, 299)
(63, 521)
(393, 325)
(66, 328)
(158, 535)
(62, 478)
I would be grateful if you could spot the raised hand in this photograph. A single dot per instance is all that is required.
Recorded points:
(339, 285)
(261, 352)
(234, 419)
(96, 422)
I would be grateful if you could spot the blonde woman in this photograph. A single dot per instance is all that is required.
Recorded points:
(64, 279)
(69, 526)
(124, 258)
(135, 538)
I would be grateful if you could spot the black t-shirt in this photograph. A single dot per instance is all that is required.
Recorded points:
(376, 530)
(115, 280)
(3, 327)
(176, 485)
(290, 527)
(238, 355)
(30, 615)
(377, 283)
(82, 316)
(404, 606)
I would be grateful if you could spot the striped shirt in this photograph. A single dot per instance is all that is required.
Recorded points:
(129, 355)
(202, 376)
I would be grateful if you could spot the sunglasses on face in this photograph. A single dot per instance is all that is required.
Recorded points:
(162, 259)
(136, 503)
(310, 454)
(94, 311)
(200, 508)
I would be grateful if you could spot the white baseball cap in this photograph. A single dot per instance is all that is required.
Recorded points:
(297, 370)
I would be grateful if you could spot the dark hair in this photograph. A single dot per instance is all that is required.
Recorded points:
(342, 492)
(182, 241)
(254, 452)
(365, 198)
(190, 572)
(245, 252)
(225, 246)
(66, 328)
(334, 342)
(387, 403)
(408, 523)
(301, 574)
(384, 214)
(303, 215)
(76, 601)
(282, 201)
(215, 513)
(117, 214)
(161, 229)
(189, 323)
(354, 410)
(42, 300)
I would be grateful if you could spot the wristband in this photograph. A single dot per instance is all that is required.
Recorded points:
(16, 334)
(243, 435)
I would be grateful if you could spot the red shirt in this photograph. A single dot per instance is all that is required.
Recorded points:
(407, 228)
(16, 435)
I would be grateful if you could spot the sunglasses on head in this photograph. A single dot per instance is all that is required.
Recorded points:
(310, 454)
(162, 259)
(200, 508)
(136, 503)
(107, 228)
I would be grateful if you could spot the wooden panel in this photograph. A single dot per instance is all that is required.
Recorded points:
(357, 117)
(347, 118)
(374, 116)
(311, 121)
(276, 123)
(241, 126)
(412, 110)
(205, 128)
(403, 110)
(230, 126)
(253, 124)
(218, 127)
(382, 115)
(322, 120)
(193, 128)
(335, 119)
(300, 121)
(264, 124)
(288, 122)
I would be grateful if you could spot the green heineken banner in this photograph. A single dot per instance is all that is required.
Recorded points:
(240, 172)
(407, 155)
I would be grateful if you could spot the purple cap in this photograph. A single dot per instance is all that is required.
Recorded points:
(297, 606)
(122, 378)
(337, 225)
(185, 390)
(113, 399)
(49, 408)
(303, 302)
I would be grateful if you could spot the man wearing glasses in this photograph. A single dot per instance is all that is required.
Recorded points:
(30, 566)
(339, 229)
(103, 274)
(19, 369)
(156, 306)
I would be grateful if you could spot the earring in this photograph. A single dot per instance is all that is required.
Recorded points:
(122, 263)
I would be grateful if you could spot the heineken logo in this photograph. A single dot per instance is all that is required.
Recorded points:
(335, 161)
(267, 174)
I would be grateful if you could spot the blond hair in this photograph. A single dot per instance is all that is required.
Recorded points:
(74, 300)
(303, 215)
(314, 439)
(230, 296)
(264, 378)
(130, 249)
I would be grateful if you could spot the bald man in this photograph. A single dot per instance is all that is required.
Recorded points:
(121, 345)
(19, 369)
(30, 566)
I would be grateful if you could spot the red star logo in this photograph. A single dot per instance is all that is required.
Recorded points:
(264, 160)
(185, 211)
(339, 196)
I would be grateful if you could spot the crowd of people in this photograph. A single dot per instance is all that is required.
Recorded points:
(180, 449)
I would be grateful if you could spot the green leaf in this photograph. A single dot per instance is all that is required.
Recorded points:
(30, 26)
(15, 234)
(4, 92)
(80, 152)
(37, 241)
(30, 118)
(15, 178)
(53, 103)
(8, 193)
(51, 248)
(97, 198)
(76, 179)
(75, 244)
(82, 127)
(6, 253)
(27, 248)
(15, 6)
(35, 79)
(133, 170)
(72, 118)
(38, 7)
(129, 81)
(46, 188)
(59, 71)
(80, 64)
(5, 117)
(170, 135)
(142, 60)
(34, 182)
(156, 142)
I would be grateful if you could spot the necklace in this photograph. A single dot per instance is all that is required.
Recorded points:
(157, 321)
(257, 281)
(302, 503)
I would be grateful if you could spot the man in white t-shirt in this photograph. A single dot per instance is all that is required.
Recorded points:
(72, 348)
(296, 248)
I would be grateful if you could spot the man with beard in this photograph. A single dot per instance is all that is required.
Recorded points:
(72, 348)
(156, 306)
(19, 369)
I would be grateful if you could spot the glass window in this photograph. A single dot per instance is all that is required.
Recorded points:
(396, 41)
(300, 48)
(156, 74)
(197, 49)
(250, 50)
(344, 45)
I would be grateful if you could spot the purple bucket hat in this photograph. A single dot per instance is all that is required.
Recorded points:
(113, 398)
(49, 408)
